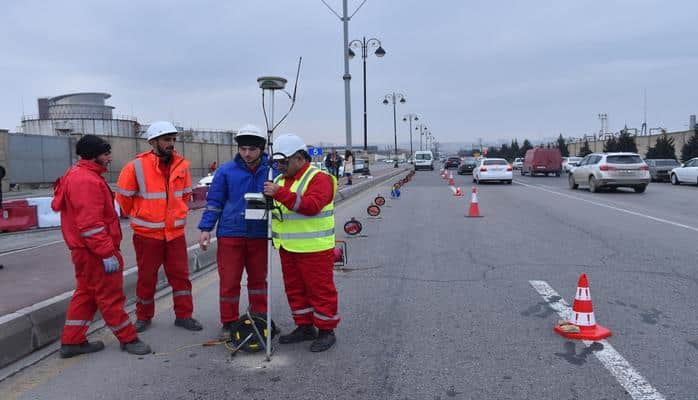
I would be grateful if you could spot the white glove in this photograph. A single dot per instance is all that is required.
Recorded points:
(111, 264)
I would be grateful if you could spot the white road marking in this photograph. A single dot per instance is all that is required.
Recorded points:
(619, 367)
(637, 214)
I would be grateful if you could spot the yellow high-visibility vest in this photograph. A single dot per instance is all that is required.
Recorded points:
(300, 233)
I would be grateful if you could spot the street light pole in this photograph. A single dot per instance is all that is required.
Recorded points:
(380, 52)
(411, 117)
(394, 98)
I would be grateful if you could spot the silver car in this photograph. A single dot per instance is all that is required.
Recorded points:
(610, 170)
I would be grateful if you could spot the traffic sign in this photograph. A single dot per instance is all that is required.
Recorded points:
(314, 151)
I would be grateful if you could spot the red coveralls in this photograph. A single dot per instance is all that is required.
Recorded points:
(308, 277)
(155, 196)
(92, 232)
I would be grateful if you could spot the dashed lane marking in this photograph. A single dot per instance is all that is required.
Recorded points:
(637, 214)
(619, 367)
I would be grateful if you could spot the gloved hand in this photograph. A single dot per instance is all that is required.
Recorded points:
(111, 264)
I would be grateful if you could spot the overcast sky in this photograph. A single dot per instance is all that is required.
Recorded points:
(470, 69)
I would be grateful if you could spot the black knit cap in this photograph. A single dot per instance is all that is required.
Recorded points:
(249, 140)
(91, 146)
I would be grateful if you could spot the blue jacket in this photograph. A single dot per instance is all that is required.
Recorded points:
(225, 201)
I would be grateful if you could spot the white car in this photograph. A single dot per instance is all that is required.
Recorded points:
(687, 173)
(424, 159)
(518, 163)
(570, 162)
(493, 169)
(611, 170)
(206, 180)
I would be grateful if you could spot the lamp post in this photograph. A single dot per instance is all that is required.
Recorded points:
(365, 45)
(394, 98)
(422, 131)
(410, 117)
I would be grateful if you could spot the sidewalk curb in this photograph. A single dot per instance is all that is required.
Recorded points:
(36, 328)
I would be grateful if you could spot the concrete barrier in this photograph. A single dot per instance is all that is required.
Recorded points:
(31, 328)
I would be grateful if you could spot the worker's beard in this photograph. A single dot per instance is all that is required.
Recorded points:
(164, 152)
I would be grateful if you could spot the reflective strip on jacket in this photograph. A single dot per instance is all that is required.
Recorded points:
(303, 233)
(157, 209)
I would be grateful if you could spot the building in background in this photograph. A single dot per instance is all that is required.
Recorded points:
(87, 113)
(78, 113)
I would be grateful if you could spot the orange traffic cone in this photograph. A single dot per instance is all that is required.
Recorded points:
(583, 324)
(451, 182)
(458, 192)
(474, 210)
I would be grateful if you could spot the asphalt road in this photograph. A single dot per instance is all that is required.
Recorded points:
(437, 306)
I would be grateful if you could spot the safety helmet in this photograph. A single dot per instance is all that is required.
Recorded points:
(250, 135)
(159, 128)
(287, 145)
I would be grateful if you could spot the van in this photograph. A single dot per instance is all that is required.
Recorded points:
(542, 161)
(423, 159)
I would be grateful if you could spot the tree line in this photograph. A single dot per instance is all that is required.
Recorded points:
(624, 142)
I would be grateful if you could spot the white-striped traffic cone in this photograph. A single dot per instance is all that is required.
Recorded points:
(582, 317)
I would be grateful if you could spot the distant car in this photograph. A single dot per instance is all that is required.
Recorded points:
(467, 166)
(423, 159)
(493, 169)
(206, 180)
(610, 170)
(687, 173)
(452, 162)
(542, 161)
(518, 163)
(570, 162)
(660, 168)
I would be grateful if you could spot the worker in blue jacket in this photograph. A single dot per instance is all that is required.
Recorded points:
(242, 244)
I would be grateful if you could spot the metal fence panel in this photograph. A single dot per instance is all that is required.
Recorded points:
(37, 159)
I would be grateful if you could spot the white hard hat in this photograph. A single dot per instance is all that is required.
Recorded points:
(160, 128)
(250, 130)
(287, 145)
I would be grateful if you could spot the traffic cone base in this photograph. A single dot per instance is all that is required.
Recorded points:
(596, 332)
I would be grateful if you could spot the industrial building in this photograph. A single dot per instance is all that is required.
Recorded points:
(87, 113)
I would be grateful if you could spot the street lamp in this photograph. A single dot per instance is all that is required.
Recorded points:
(365, 45)
(422, 131)
(410, 117)
(394, 98)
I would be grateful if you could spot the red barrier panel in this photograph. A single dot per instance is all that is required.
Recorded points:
(17, 216)
(198, 198)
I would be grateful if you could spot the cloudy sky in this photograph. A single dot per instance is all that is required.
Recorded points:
(470, 69)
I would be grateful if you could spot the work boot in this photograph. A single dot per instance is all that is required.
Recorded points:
(136, 347)
(72, 350)
(142, 325)
(227, 331)
(324, 341)
(189, 324)
(300, 334)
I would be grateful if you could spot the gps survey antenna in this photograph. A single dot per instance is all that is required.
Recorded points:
(272, 84)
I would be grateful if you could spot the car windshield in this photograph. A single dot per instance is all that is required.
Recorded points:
(495, 162)
(469, 160)
(624, 159)
(575, 159)
(423, 156)
(453, 159)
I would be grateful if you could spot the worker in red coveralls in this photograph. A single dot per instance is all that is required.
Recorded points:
(92, 232)
(154, 191)
(303, 231)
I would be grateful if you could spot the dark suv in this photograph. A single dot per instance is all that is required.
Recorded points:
(467, 166)
(452, 162)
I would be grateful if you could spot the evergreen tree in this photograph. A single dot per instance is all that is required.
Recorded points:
(585, 149)
(505, 152)
(610, 146)
(690, 149)
(526, 146)
(626, 142)
(562, 145)
(515, 150)
(664, 148)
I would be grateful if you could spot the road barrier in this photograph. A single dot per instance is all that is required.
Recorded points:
(583, 324)
(17, 216)
(46, 217)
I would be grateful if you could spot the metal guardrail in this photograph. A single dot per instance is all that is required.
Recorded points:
(120, 117)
